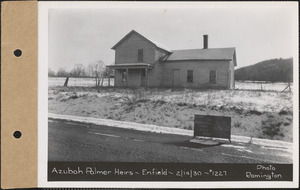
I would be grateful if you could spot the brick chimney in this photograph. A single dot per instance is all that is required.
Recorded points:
(205, 41)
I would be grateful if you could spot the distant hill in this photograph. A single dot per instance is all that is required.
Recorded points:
(274, 70)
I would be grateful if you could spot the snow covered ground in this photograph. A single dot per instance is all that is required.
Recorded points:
(260, 114)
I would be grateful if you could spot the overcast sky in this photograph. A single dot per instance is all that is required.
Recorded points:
(82, 36)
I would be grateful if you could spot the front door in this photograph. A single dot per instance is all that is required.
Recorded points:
(176, 77)
(143, 77)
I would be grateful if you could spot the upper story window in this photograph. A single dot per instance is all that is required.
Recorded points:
(190, 77)
(140, 55)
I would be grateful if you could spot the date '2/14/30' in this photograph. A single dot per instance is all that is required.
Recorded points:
(195, 173)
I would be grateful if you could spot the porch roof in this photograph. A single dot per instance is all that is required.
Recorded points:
(131, 66)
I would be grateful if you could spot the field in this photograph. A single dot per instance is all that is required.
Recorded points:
(245, 85)
(82, 82)
(262, 114)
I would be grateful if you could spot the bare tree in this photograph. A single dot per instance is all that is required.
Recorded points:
(62, 72)
(78, 70)
(106, 74)
(98, 69)
(90, 70)
(51, 73)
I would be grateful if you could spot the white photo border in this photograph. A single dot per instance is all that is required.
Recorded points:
(43, 12)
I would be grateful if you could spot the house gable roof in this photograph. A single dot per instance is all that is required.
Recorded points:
(156, 44)
(202, 54)
(188, 54)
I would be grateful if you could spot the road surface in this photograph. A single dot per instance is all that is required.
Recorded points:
(74, 141)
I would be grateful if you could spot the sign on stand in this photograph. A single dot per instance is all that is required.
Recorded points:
(212, 126)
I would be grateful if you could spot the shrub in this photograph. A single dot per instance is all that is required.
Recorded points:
(75, 96)
(182, 104)
(271, 127)
(190, 127)
(130, 106)
(138, 94)
(236, 110)
(254, 112)
(237, 124)
(143, 100)
(285, 111)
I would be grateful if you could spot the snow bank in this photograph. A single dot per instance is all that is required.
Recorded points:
(123, 124)
(266, 143)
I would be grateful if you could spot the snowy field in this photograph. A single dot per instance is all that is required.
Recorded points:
(90, 82)
(266, 86)
(260, 114)
(83, 82)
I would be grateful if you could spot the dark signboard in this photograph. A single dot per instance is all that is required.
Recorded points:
(212, 126)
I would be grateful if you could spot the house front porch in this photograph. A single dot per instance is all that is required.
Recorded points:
(131, 74)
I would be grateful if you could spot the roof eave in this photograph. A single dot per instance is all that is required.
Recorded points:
(133, 31)
(198, 60)
(129, 66)
(163, 49)
(114, 47)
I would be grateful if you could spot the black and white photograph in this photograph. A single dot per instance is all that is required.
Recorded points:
(202, 92)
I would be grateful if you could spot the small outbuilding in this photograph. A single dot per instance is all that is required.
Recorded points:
(141, 62)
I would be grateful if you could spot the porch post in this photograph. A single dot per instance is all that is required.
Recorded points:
(127, 76)
(109, 76)
(146, 73)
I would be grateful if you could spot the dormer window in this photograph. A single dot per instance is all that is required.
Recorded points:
(140, 55)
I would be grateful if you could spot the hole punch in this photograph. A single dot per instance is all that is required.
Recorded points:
(17, 134)
(17, 52)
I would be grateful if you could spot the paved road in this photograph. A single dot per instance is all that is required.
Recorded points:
(73, 141)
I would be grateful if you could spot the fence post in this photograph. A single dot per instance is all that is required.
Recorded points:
(66, 81)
